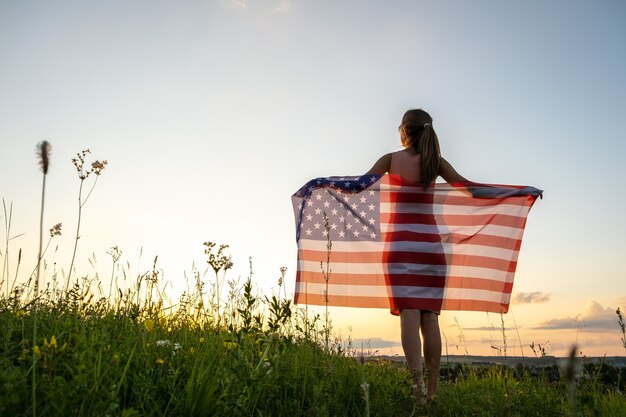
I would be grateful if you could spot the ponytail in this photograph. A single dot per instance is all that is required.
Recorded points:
(428, 148)
(417, 132)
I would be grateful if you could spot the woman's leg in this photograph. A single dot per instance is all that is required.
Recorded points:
(412, 346)
(429, 322)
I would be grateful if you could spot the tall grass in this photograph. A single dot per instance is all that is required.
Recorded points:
(211, 352)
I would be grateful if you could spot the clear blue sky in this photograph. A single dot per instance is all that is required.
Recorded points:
(212, 113)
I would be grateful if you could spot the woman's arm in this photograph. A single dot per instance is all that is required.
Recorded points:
(381, 166)
(448, 173)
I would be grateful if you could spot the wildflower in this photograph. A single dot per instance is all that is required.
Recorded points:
(37, 351)
(149, 325)
(231, 345)
(20, 313)
(55, 230)
(79, 162)
(163, 322)
(98, 166)
(159, 361)
(202, 340)
(161, 343)
(176, 346)
(50, 345)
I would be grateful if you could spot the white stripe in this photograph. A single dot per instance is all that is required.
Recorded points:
(377, 269)
(452, 209)
(340, 246)
(408, 246)
(399, 291)
(342, 267)
(446, 190)
(490, 229)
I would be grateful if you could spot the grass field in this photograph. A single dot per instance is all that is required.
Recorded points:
(75, 349)
(132, 355)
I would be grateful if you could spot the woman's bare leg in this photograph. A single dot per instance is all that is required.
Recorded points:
(412, 346)
(429, 322)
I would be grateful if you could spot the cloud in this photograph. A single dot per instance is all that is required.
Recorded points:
(489, 328)
(622, 302)
(531, 297)
(374, 343)
(594, 318)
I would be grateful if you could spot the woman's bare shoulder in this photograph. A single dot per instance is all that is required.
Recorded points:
(381, 166)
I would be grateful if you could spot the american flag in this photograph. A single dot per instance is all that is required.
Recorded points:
(384, 242)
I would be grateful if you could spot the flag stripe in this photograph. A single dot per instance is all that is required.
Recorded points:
(424, 304)
(401, 268)
(488, 230)
(454, 219)
(401, 245)
(410, 257)
(410, 291)
(445, 209)
(411, 279)
(458, 239)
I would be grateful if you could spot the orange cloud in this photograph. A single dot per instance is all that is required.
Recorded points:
(594, 318)
(531, 297)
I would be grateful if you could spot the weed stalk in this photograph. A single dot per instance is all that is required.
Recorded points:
(326, 273)
(83, 174)
(43, 152)
(620, 321)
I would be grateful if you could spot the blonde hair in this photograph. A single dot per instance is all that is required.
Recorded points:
(417, 132)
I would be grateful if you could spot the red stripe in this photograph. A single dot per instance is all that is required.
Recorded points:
(456, 238)
(422, 258)
(475, 305)
(408, 280)
(342, 300)
(417, 303)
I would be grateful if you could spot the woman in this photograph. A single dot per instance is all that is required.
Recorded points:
(419, 161)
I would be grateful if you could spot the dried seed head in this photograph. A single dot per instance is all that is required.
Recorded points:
(43, 153)
(55, 230)
(98, 166)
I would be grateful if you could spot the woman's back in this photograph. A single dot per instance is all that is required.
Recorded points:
(407, 165)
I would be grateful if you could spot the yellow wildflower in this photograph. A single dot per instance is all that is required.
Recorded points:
(230, 345)
(37, 351)
(149, 325)
(202, 340)
(50, 345)
(159, 361)
(20, 313)
(163, 322)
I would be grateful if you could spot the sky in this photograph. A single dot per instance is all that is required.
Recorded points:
(211, 114)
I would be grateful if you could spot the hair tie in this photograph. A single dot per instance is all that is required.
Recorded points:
(426, 124)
